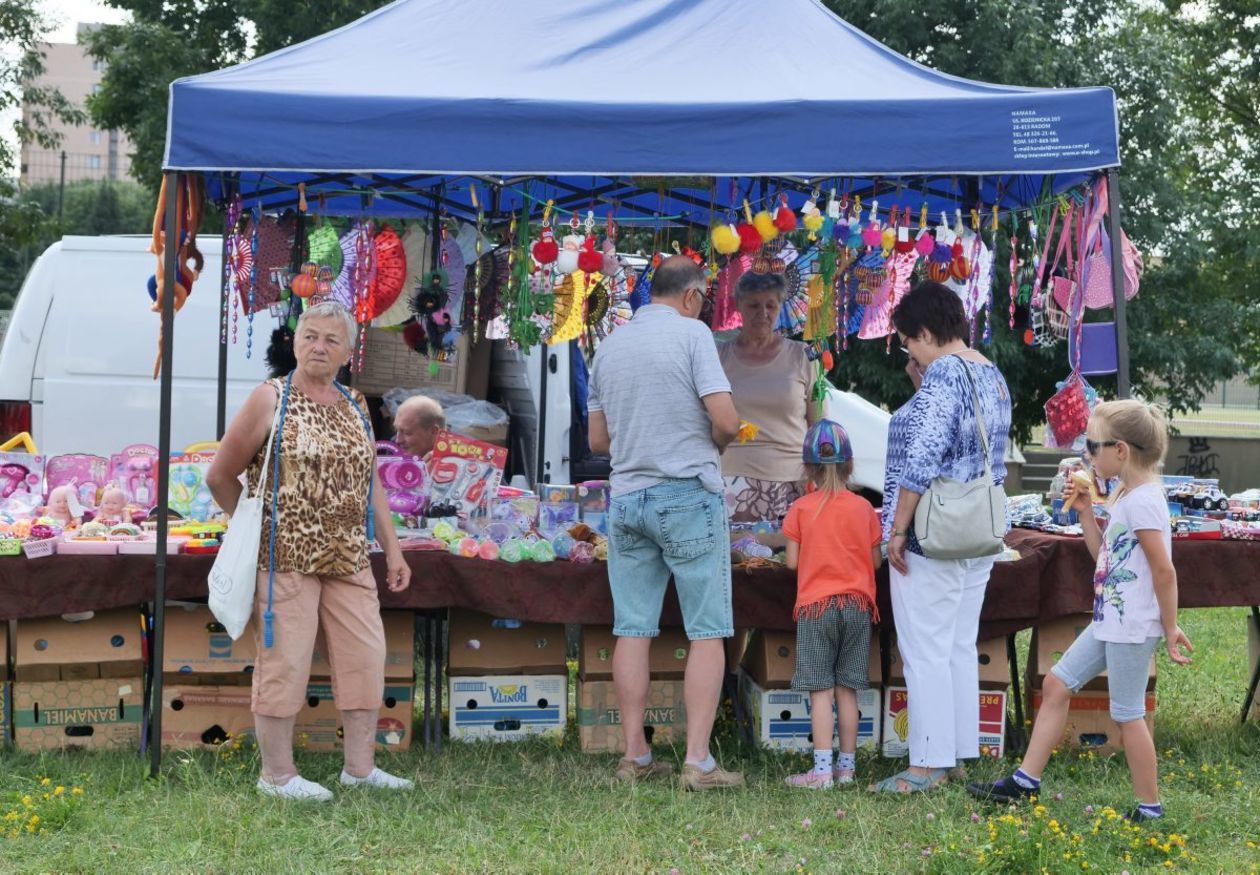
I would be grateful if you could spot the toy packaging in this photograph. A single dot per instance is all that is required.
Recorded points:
(134, 471)
(405, 478)
(83, 473)
(190, 496)
(464, 472)
(593, 500)
(558, 508)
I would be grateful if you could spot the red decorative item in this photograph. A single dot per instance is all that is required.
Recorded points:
(1067, 413)
(784, 218)
(546, 250)
(303, 285)
(391, 273)
(415, 337)
(590, 261)
(749, 237)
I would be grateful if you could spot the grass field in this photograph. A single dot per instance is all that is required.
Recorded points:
(544, 807)
(1220, 422)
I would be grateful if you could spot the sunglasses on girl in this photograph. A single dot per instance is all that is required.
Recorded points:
(1092, 447)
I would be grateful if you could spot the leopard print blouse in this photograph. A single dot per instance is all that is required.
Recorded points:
(326, 459)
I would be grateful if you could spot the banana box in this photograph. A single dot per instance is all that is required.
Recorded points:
(992, 716)
(508, 707)
(781, 718)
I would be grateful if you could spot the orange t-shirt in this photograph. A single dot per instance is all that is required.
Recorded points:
(836, 532)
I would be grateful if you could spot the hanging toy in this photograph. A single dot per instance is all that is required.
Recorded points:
(959, 266)
(749, 238)
(784, 218)
(545, 250)
(766, 228)
(567, 259)
(726, 239)
(904, 244)
(589, 259)
(304, 282)
(873, 236)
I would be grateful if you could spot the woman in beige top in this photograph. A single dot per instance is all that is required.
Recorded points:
(771, 378)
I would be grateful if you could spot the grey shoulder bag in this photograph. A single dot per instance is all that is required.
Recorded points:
(956, 520)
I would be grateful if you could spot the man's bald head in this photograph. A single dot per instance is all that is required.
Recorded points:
(674, 275)
(417, 423)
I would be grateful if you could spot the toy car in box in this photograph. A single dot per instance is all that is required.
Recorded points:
(1196, 529)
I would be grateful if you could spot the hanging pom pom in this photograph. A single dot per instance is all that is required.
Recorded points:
(590, 261)
(942, 253)
(813, 222)
(784, 218)
(414, 336)
(924, 244)
(887, 240)
(545, 249)
(749, 238)
(280, 358)
(764, 223)
(726, 239)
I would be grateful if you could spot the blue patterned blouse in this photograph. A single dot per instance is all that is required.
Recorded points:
(934, 433)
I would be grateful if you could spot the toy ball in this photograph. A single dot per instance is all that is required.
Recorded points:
(468, 547)
(452, 547)
(545, 249)
(725, 239)
(488, 550)
(513, 550)
(303, 285)
(764, 223)
(749, 238)
(542, 552)
(445, 531)
(813, 222)
(562, 544)
(582, 553)
(601, 551)
(473, 644)
(784, 219)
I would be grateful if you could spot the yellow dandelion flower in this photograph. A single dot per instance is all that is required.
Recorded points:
(76, 791)
(59, 790)
(44, 782)
(27, 801)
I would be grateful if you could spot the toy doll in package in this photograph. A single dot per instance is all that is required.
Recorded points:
(557, 509)
(464, 472)
(593, 500)
(86, 475)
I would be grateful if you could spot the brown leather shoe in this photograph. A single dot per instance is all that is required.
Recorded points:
(715, 779)
(628, 771)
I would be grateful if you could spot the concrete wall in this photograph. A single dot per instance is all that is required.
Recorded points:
(1235, 461)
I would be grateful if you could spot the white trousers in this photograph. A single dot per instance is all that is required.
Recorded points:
(936, 609)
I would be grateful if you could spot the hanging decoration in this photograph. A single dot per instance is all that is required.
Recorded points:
(390, 275)
(240, 261)
(189, 201)
(570, 307)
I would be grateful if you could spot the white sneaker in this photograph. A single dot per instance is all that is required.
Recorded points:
(378, 779)
(297, 788)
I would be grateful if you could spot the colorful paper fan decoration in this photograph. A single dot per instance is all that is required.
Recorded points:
(877, 320)
(390, 275)
(597, 303)
(856, 311)
(414, 244)
(795, 306)
(274, 252)
(343, 285)
(973, 289)
(494, 279)
(725, 316)
(570, 306)
(324, 248)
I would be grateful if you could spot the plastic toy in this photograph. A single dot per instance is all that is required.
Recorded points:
(562, 544)
(133, 470)
(465, 472)
(541, 551)
(583, 553)
(113, 505)
(63, 506)
(83, 473)
(513, 550)
(488, 550)
(468, 547)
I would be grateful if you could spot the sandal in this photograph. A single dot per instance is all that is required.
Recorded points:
(914, 783)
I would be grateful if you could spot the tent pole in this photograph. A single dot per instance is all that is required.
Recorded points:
(542, 417)
(170, 251)
(1123, 388)
(221, 401)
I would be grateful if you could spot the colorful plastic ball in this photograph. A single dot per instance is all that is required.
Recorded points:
(582, 553)
(513, 550)
(488, 550)
(468, 547)
(542, 552)
(452, 547)
(562, 543)
(445, 531)
(601, 551)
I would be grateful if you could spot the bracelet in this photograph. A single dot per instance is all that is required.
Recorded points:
(899, 534)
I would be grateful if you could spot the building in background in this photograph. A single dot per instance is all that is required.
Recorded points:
(89, 153)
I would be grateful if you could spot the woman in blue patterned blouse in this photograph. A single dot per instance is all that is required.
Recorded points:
(936, 602)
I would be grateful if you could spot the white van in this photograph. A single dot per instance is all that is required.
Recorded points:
(76, 365)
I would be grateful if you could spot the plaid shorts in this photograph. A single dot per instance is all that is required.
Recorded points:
(833, 649)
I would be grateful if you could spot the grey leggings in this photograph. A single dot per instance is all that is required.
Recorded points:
(1127, 671)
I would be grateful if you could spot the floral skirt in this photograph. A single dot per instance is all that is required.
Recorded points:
(749, 500)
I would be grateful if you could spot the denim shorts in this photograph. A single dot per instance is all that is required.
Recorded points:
(676, 527)
(1127, 667)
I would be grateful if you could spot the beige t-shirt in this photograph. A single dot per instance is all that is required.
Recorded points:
(775, 397)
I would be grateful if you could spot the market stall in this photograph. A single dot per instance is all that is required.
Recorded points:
(630, 111)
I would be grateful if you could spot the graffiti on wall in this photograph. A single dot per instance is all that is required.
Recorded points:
(1199, 460)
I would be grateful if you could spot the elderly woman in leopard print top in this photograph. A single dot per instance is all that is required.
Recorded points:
(322, 580)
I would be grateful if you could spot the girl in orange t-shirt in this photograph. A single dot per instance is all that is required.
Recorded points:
(833, 539)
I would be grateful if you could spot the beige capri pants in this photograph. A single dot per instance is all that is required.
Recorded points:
(349, 612)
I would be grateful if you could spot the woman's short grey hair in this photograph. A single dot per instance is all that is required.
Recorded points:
(754, 283)
(330, 310)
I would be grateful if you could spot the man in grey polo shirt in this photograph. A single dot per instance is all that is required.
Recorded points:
(660, 405)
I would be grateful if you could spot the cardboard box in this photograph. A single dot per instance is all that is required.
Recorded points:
(197, 643)
(491, 434)
(100, 713)
(319, 728)
(204, 716)
(483, 645)
(1089, 722)
(667, 660)
(896, 719)
(400, 648)
(508, 707)
(770, 658)
(599, 716)
(994, 669)
(781, 718)
(390, 363)
(1049, 642)
(105, 646)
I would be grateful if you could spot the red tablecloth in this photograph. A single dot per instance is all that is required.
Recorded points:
(1051, 579)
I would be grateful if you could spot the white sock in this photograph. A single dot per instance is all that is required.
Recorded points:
(847, 761)
(708, 764)
(822, 761)
(644, 760)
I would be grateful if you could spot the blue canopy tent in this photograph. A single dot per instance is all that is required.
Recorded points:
(664, 110)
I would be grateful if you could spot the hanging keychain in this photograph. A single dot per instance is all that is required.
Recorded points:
(256, 215)
(476, 326)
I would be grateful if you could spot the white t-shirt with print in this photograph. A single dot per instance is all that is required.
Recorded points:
(1125, 608)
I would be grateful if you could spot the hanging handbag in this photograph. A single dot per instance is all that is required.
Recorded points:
(235, 573)
(956, 520)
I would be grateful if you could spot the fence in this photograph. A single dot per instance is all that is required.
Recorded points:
(1237, 393)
